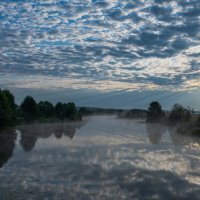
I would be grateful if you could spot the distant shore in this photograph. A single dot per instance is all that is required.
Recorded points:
(30, 112)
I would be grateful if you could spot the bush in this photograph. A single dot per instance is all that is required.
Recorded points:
(179, 114)
(198, 121)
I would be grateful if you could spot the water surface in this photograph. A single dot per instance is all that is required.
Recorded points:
(103, 157)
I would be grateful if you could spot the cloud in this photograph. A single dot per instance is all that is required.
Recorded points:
(121, 44)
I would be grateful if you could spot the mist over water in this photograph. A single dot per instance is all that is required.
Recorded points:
(102, 157)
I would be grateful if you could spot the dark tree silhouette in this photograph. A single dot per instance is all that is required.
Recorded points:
(46, 109)
(11, 102)
(179, 113)
(59, 110)
(70, 110)
(83, 111)
(29, 108)
(198, 121)
(5, 111)
(155, 112)
(66, 110)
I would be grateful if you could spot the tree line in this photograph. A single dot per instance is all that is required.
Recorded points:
(30, 110)
(178, 115)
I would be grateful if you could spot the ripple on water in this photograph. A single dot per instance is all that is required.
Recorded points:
(105, 158)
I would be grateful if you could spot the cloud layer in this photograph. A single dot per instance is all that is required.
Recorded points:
(102, 44)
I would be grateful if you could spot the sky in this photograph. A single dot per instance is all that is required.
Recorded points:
(104, 53)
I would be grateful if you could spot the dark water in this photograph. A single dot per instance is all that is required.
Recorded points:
(100, 158)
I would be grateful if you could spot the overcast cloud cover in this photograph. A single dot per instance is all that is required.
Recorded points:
(102, 52)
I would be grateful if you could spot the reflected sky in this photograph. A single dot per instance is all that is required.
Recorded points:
(103, 157)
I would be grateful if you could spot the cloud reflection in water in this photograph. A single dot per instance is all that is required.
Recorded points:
(107, 158)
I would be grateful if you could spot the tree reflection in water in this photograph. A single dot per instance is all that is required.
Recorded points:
(30, 133)
(181, 139)
(7, 145)
(155, 132)
(110, 159)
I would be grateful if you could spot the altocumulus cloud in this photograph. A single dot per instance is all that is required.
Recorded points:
(105, 45)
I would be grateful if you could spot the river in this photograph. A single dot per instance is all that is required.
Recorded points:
(102, 157)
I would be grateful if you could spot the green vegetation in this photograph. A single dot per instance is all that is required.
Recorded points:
(31, 111)
(180, 114)
(44, 111)
(29, 108)
(99, 111)
(11, 103)
(66, 110)
(196, 129)
(182, 117)
(155, 112)
(5, 110)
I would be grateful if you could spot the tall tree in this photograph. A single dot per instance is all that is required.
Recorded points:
(46, 109)
(11, 102)
(59, 110)
(155, 112)
(29, 108)
(66, 110)
(70, 110)
(5, 111)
